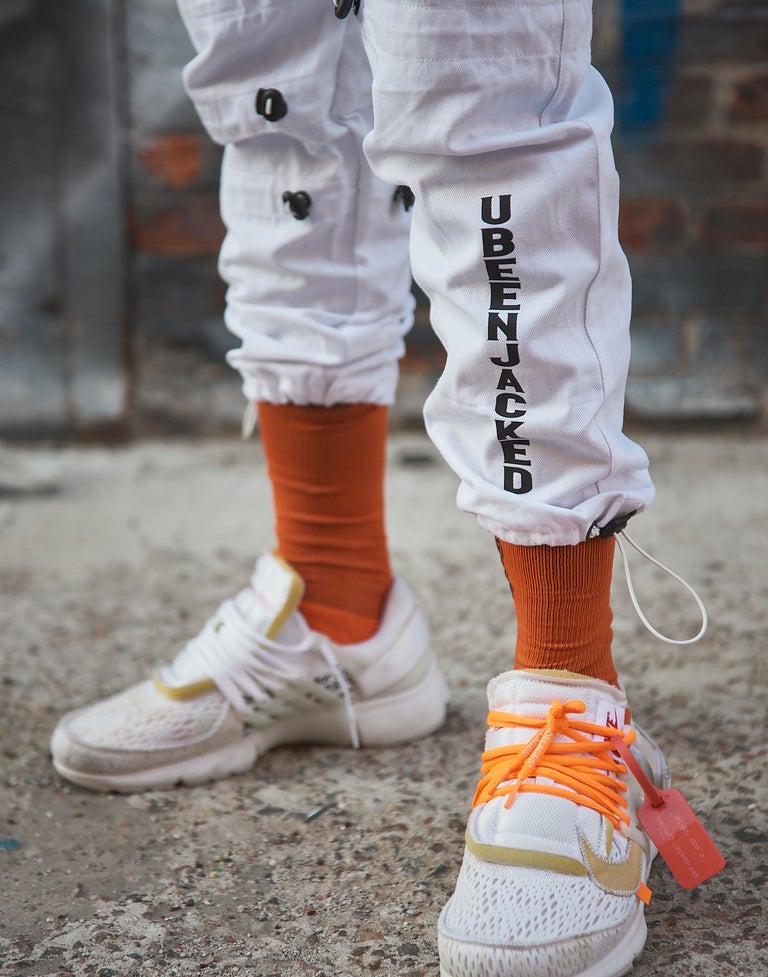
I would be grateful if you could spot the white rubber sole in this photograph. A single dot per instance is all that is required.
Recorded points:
(384, 721)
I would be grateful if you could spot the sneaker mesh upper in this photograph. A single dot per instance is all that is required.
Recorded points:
(506, 904)
(140, 719)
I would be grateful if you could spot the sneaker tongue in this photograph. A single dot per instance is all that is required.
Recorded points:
(536, 821)
(265, 608)
(532, 692)
(275, 592)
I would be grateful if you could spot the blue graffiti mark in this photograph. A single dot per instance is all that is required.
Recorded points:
(9, 844)
(650, 33)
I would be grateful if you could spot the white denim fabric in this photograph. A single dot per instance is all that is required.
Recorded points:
(491, 113)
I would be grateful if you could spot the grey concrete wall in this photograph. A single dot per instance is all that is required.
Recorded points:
(63, 311)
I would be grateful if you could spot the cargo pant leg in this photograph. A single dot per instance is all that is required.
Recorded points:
(316, 254)
(493, 114)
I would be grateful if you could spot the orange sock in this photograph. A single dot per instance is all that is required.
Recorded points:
(327, 465)
(562, 601)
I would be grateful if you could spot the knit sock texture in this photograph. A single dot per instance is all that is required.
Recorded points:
(327, 465)
(562, 602)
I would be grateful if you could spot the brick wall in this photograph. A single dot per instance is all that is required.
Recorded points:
(691, 84)
(694, 170)
(177, 297)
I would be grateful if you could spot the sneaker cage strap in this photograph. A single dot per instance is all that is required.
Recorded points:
(239, 680)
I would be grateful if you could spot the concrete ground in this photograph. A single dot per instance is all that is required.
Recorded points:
(328, 863)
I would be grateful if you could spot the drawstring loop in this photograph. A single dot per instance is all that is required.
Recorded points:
(670, 573)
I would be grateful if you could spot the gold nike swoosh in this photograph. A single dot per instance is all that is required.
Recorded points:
(623, 876)
(500, 855)
(183, 692)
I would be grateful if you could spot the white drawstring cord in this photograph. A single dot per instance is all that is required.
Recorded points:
(670, 573)
(250, 419)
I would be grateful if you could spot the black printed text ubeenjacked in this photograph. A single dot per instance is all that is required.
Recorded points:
(503, 310)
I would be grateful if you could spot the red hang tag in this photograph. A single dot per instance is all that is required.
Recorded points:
(672, 826)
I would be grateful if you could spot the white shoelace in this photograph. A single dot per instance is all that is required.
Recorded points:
(249, 667)
(670, 573)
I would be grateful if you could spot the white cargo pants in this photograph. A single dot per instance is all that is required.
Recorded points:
(491, 113)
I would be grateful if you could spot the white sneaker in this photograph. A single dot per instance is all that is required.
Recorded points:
(254, 678)
(555, 865)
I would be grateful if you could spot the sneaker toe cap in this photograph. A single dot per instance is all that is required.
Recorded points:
(139, 727)
(534, 923)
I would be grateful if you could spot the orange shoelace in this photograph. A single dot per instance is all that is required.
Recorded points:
(583, 771)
